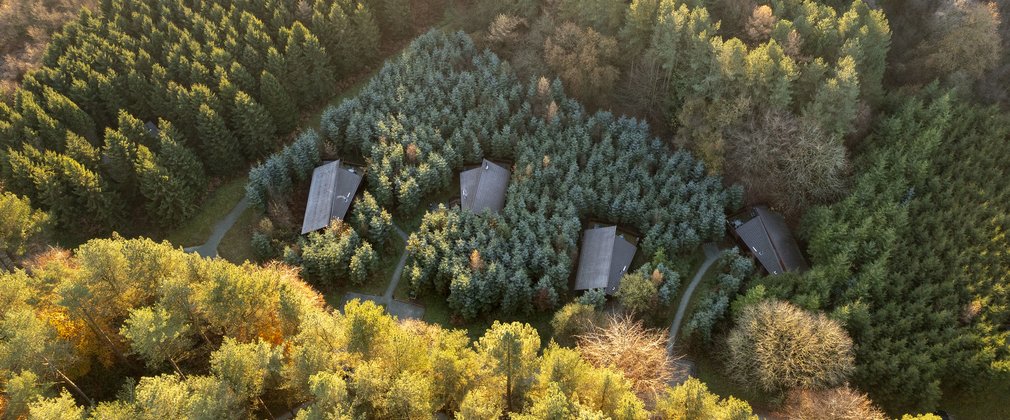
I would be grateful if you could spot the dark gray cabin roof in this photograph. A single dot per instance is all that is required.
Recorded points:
(604, 259)
(330, 195)
(152, 129)
(769, 239)
(484, 187)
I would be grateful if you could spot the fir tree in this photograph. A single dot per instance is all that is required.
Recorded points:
(221, 151)
(180, 161)
(276, 100)
(254, 127)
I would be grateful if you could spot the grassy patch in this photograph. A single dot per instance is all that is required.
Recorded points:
(219, 202)
(387, 264)
(236, 246)
(987, 400)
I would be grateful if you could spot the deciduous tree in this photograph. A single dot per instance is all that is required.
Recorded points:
(512, 352)
(777, 346)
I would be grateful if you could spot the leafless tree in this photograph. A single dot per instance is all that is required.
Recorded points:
(777, 346)
(25, 27)
(760, 25)
(584, 59)
(639, 353)
(786, 161)
(842, 403)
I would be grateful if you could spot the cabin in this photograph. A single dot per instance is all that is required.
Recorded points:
(765, 235)
(605, 257)
(330, 194)
(152, 128)
(484, 187)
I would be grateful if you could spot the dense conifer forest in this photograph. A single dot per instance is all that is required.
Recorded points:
(877, 130)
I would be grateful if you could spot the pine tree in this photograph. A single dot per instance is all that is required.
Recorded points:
(118, 156)
(158, 336)
(276, 100)
(246, 367)
(308, 67)
(221, 151)
(638, 23)
(21, 228)
(512, 349)
(254, 127)
(837, 100)
(362, 263)
(168, 200)
(408, 195)
(364, 40)
(180, 162)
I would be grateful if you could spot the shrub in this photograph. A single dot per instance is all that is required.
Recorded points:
(572, 320)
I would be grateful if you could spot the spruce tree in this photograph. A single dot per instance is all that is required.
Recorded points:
(333, 27)
(168, 201)
(308, 67)
(118, 156)
(254, 127)
(221, 152)
(180, 162)
(276, 100)
(134, 129)
(408, 195)
(365, 39)
(81, 150)
(362, 263)
(69, 115)
(837, 100)
(38, 127)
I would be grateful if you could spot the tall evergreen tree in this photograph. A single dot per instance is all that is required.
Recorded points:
(221, 152)
(277, 101)
(308, 67)
(837, 100)
(254, 127)
(365, 39)
(168, 200)
(118, 157)
(180, 161)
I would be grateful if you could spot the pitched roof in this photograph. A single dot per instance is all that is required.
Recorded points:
(330, 195)
(484, 187)
(769, 239)
(152, 129)
(604, 259)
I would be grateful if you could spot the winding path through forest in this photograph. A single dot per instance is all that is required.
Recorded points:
(711, 254)
(395, 280)
(400, 309)
(209, 248)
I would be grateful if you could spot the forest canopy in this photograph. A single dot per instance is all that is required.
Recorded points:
(137, 103)
(444, 104)
(209, 339)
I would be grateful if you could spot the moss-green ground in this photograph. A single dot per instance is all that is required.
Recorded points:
(218, 203)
